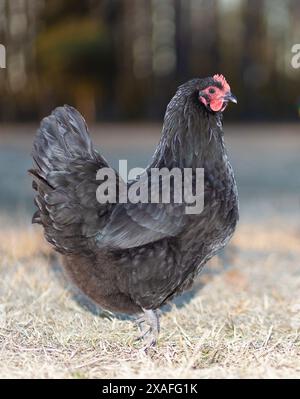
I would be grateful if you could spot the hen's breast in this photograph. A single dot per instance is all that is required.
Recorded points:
(211, 230)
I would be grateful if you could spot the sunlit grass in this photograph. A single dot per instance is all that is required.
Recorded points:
(22, 242)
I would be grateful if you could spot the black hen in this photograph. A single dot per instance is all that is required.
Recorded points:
(133, 258)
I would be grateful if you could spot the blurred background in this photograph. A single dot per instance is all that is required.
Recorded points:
(120, 61)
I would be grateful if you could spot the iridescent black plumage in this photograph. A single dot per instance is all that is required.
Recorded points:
(133, 257)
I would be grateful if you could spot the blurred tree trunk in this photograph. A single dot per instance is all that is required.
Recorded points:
(182, 39)
(252, 55)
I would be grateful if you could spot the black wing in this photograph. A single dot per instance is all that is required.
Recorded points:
(134, 225)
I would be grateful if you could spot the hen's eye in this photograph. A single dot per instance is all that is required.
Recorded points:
(212, 91)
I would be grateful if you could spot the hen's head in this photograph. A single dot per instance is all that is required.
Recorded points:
(216, 93)
(213, 92)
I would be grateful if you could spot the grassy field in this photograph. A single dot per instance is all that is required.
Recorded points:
(242, 319)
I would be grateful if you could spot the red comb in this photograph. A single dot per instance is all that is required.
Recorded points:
(223, 81)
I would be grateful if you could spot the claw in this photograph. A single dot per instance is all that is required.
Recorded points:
(149, 319)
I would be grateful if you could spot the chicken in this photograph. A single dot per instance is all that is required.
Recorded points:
(134, 257)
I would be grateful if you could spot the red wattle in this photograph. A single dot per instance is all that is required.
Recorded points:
(216, 105)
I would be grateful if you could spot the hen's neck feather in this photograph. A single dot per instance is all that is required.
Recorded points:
(191, 136)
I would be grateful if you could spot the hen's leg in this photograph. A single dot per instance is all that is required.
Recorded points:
(149, 327)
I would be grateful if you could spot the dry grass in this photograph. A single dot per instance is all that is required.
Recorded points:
(244, 322)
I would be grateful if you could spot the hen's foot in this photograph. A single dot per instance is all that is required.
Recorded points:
(149, 327)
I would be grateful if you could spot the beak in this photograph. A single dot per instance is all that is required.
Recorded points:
(230, 97)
